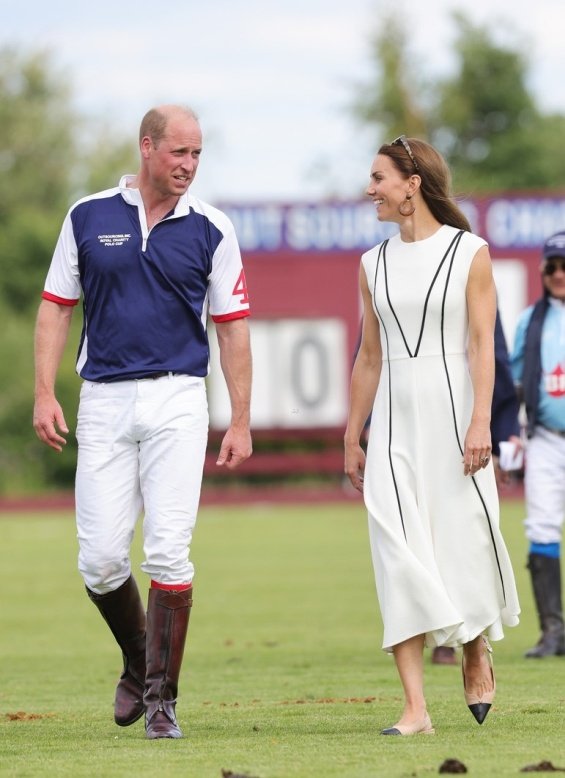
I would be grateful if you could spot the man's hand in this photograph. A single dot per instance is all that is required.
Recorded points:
(51, 330)
(236, 447)
(47, 419)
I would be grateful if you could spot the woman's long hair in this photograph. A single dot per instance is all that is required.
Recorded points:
(435, 176)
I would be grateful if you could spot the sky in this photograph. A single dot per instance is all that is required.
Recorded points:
(272, 80)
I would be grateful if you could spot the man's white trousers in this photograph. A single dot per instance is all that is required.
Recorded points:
(141, 448)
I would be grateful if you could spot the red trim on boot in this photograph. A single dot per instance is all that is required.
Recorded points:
(170, 587)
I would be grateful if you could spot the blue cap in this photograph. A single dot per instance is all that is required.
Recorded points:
(554, 246)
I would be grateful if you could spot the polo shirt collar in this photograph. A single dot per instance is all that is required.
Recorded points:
(132, 196)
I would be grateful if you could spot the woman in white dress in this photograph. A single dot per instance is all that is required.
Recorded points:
(425, 371)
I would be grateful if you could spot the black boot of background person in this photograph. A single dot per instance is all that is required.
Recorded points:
(546, 583)
(123, 611)
(168, 613)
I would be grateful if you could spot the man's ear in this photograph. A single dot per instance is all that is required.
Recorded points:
(145, 146)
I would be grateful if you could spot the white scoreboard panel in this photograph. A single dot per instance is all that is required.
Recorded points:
(511, 279)
(300, 375)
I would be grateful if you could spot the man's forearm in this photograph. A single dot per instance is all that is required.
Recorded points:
(236, 363)
(51, 332)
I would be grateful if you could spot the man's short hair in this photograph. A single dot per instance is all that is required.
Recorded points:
(154, 123)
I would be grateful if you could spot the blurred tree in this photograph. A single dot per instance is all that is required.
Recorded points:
(25, 463)
(36, 131)
(488, 123)
(37, 153)
(43, 168)
(105, 162)
(483, 117)
(390, 102)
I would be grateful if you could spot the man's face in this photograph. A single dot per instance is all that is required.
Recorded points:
(553, 276)
(172, 164)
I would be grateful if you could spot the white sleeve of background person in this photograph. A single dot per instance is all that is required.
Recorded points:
(228, 293)
(63, 277)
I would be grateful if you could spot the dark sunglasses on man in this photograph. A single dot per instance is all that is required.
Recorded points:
(552, 265)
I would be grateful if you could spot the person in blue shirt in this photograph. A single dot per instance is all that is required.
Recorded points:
(152, 264)
(538, 367)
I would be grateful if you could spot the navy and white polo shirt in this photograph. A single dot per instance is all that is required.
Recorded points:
(146, 293)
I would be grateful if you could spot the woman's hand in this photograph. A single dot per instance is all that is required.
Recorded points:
(478, 448)
(355, 464)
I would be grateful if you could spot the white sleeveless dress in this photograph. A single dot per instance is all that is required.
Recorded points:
(441, 565)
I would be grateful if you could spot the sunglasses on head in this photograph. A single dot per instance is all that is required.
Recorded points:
(403, 141)
(552, 265)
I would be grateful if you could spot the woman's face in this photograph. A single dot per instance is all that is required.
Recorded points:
(387, 189)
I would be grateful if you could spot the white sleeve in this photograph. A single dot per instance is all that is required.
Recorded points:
(63, 282)
(228, 289)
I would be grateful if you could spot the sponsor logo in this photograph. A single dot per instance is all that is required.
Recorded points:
(555, 382)
(114, 240)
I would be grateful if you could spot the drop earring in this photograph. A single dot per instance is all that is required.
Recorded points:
(406, 208)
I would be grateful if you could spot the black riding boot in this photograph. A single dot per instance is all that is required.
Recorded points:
(123, 611)
(168, 613)
(546, 583)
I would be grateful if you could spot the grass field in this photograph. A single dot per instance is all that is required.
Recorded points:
(283, 673)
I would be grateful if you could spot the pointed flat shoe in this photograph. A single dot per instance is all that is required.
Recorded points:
(480, 706)
(424, 728)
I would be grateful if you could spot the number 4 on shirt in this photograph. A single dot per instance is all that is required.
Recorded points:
(240, 289)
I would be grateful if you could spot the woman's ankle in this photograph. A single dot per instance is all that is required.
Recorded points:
(415, 712)
(474, 649)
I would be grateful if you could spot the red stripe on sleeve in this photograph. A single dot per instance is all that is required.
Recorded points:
(60, 300)
(231, 316)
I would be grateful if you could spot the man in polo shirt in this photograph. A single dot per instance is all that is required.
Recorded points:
(151, 263)
(538, 366)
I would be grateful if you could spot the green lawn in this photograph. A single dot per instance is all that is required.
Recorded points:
(283, 673)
